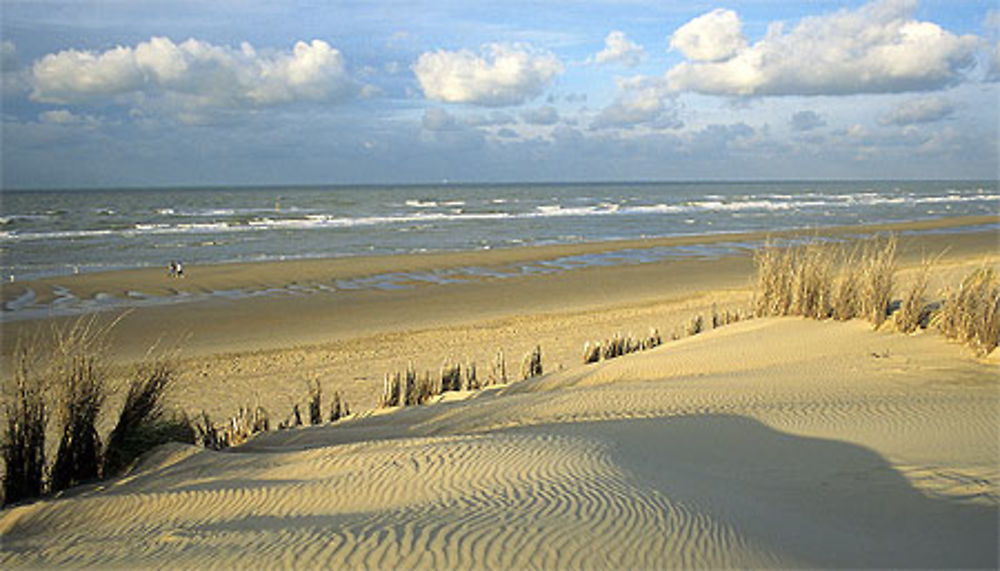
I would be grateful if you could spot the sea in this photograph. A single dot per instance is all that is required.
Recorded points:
(52, 233)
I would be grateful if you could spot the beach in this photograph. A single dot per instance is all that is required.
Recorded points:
(442, 285)
(768, 442)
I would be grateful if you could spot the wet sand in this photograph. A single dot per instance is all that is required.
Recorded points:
(348, 339)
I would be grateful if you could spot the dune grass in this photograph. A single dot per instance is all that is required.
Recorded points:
(64, 374)
(531, 364)
(80, 373)
(970, 313)
(877, 278)
(619, 345)
(498, 370)
(409, 389)
(143, 422)
(23, 443)
(858, 281)
(913, 311)
(823, 281)
(315, 403)
(338, 407)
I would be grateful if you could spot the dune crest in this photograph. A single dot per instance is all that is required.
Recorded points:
(778, 442)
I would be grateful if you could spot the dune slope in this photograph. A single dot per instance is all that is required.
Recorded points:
(767, 443)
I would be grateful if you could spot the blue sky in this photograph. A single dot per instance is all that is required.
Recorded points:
(229, 92)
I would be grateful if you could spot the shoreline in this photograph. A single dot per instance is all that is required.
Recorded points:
(266, 345)
(233, 279)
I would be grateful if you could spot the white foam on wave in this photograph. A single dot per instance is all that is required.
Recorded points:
(552, 211)
(656, 209)
(757, 203)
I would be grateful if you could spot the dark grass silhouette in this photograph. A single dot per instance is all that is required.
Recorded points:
(23, 443)
(143, 422)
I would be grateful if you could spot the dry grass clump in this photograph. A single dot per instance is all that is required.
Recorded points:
(847, 288)
(498, 370)
(247, 422)
(237, 430)
(877, 276)
(143, 422)
(812, 278)
(620, 345)
(822, 281)
(72, 380)
(531, 364)
(315, 408)
(409, 389)
(913, 311)
(338, 408)
(451, 376)
(79, 373)
(694, 326)
(773, 290)
(390, 391)
(794, 280)
(971, 313)
(23, 443)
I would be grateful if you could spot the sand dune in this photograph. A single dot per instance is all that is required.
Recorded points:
(766, 443)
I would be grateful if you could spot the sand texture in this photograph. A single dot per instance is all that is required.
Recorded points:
(777, 442)
(765, 443)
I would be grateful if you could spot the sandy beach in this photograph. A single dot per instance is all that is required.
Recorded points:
(770, 442)
(454, 285)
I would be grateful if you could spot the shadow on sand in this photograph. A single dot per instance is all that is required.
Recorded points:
(822, 502)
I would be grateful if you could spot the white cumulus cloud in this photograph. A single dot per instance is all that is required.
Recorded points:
(503, 74)
(878, 48)
(715, 36)
(201, 73)
(920, 110)
(619, 49)
(641, 101)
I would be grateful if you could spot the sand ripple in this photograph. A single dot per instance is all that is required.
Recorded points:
(823, 458)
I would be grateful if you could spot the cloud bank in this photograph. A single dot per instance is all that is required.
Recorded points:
(641, 101)
(879, 48)
(201, 73)
(504, 74)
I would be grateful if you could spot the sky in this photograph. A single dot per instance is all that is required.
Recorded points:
(137, 93)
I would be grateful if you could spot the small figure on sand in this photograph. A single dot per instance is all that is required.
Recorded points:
(176, 269)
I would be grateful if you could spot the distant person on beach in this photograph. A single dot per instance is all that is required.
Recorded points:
(173, 269)
(180, 269)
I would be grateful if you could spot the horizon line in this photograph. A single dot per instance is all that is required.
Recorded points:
(446, 183)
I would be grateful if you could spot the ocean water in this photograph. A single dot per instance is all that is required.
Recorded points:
(47, 233)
